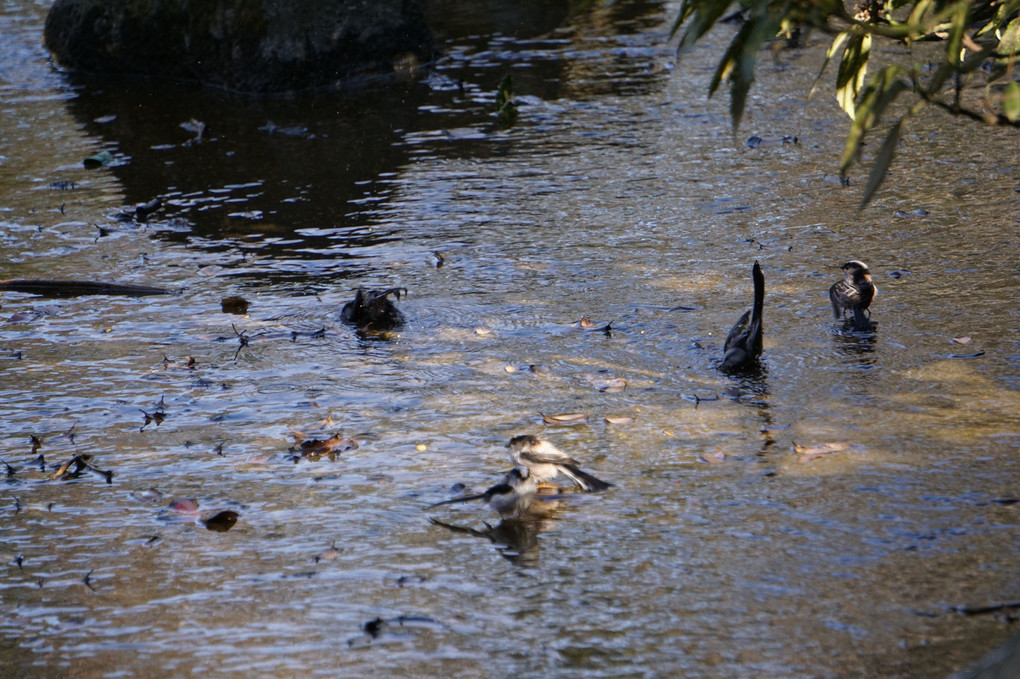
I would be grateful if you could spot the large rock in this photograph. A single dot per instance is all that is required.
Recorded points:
(241, 45)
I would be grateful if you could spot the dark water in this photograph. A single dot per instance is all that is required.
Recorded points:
(621, 194)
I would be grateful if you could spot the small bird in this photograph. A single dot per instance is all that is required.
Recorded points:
(372, 310)
(546, 461)
(510, 498)
(853, 293)
(743, 344)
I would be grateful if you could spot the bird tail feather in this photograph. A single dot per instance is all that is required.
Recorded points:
(466, 498)
(585, 480)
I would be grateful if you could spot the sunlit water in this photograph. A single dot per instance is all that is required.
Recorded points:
(622, 195)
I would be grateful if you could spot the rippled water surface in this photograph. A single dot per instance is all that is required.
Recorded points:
(820, 519)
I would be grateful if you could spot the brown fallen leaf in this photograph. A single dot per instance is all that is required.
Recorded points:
(187, 364)
(79, 462)
(566, 418)
(809, 453)
(156, 416)
(324, 423)
(336, 444)
(962, 339)
(713, 458)
(612, 385)
(618, 420)
(313, 449)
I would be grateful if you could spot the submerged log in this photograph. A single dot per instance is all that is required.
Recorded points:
(56, 288)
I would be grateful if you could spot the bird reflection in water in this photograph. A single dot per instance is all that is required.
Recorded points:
(858, 347)
(516, 538)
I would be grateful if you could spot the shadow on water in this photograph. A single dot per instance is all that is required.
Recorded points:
(309, 176)
(282, 168)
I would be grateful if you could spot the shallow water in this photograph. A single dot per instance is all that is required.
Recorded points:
(621, 194)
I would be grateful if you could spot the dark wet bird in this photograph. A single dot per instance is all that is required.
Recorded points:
(372, 310)
(546, 462)
(509, 498)
(854, 293)
(743, 344)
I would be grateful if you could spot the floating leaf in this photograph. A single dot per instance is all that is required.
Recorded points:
(612, 385)
(80, 464)
(809, 453)
(567, 418)
(962, 339)
(618, 420)
(314, 448)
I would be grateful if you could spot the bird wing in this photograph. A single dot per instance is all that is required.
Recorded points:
(738, 331)
(540, 456)
(545, 452)
(844, 295)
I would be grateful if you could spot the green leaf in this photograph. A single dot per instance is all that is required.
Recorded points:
(920, 9)
(1011, 102)
(837, 42)
(705, 14)
(738, 63)
(958, 23)
(1009, 40)
(880, 166)
(881, 91)
(852, 70)
(504, 92)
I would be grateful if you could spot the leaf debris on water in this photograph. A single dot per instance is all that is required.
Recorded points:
(565, 418)
(809, 453)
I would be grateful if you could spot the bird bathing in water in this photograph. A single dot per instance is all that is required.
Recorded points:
(854, 293)
(743, 344)
(373, 311)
